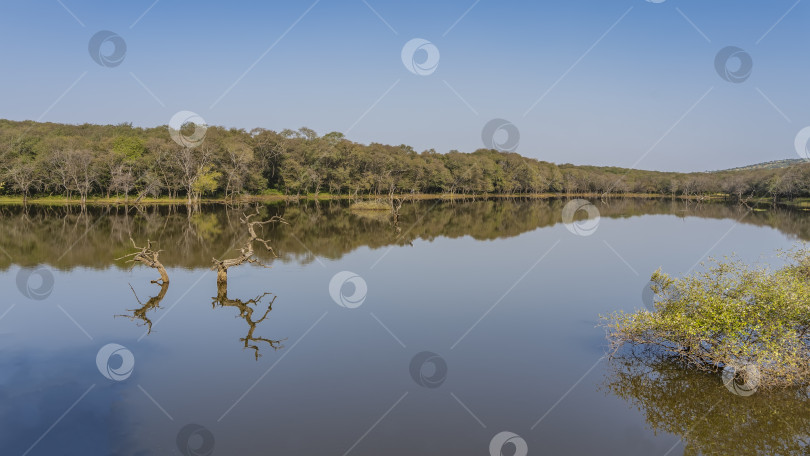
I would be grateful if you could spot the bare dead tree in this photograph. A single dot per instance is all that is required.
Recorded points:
(396, 205)
(246, 251)
(148, 257)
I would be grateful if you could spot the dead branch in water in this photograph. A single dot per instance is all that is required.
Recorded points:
(246, 251)
(148, 257)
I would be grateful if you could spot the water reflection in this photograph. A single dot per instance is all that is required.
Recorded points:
(246, 310)
(544, 331)
(329, 230)
(697, 408)
(151, 304)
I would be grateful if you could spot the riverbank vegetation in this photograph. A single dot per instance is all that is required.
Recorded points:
(753, 324)
(115, 162)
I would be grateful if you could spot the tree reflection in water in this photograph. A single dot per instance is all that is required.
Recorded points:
(151, 304)
(326, 230)
(709, 419)
(246, 313)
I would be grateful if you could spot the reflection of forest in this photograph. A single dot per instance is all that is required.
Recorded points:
(93, 239)
(710, 420)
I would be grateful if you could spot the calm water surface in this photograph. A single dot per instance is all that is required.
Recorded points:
(501, 294)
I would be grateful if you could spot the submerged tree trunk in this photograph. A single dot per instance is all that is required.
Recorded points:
(246, 252)
(149, 257)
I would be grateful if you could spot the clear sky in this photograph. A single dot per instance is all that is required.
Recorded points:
(629, 83)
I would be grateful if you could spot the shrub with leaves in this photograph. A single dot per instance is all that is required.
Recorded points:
(731, 317)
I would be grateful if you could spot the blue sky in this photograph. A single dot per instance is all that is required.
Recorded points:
(623, 82)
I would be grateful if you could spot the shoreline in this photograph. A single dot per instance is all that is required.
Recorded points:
(799, 203)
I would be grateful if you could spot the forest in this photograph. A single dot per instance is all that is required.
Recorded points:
(123, 161)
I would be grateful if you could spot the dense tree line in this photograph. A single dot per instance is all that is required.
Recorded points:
(126, 161)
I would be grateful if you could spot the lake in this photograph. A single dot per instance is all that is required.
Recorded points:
(468, 327)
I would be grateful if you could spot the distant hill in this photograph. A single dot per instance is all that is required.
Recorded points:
(771, 164)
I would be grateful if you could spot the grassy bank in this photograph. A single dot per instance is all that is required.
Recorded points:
(757, 203)
(802, 203)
